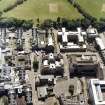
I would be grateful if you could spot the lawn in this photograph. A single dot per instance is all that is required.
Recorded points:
(5, 3)
(44, 9)
(95, 7)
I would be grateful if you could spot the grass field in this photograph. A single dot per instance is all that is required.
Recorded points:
(5, 3)
(95, 7)
(51, 9)
(44, 9)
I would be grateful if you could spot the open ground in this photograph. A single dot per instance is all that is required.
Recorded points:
(44, 9)
(95, 8)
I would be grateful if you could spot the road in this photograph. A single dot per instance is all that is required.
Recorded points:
(27, 37)
(31, 74)
(56, 41)
(102, 35)
(31, 80)
(11, 44)
(39, 58)
(66, 66)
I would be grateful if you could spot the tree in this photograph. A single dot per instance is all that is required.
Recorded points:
(85, 23)
(1, 13)
(17, 23)
(27, 24)
(59, 22)
(71, 89)
(47, 24)
(35, 65)
(46, 34)
(64, 22)
(38, 22)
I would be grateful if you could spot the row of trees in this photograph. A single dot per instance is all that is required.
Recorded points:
(73, 24)
(99, 24)
(10, 7)
(57, 24)
(16, 23)
(82, 11)
(63, 22)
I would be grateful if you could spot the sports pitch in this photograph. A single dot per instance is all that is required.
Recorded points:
(94, 7)
(43, 9)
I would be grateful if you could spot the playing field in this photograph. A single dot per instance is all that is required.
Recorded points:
(95, 7)
(44, 9)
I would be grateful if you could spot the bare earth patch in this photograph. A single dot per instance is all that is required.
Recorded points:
(103, 8)
(53, 7)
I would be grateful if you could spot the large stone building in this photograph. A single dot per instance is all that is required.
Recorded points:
(42, 42)
(84, 65)
(52, 64)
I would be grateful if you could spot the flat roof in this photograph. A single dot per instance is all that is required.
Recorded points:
(80, 37)
(95, 85)
(100, 43)
(42, 92)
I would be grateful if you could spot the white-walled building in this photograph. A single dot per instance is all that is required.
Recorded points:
(92, 32)
(72, 40)
(97, 91)
(100, 43)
